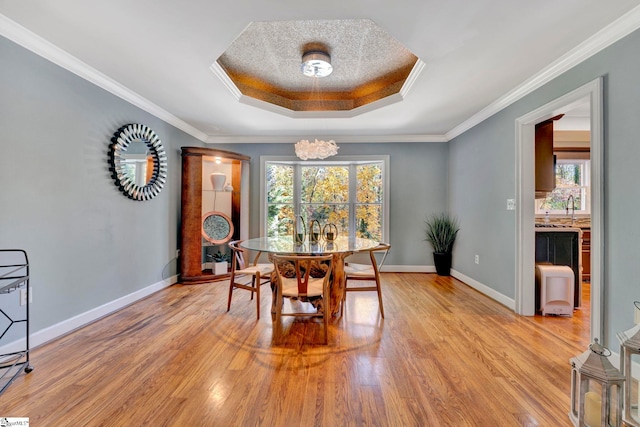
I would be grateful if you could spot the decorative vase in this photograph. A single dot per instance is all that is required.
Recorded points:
(299, 231)
(443, 263)
(217, 181)
(315, 230)
(330, 232)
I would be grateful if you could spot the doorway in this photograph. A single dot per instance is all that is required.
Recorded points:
(525, 232)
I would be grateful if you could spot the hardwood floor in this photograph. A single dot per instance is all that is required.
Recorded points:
(577, 326)
(445, 355)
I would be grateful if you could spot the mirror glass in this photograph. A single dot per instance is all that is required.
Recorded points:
(138, 162)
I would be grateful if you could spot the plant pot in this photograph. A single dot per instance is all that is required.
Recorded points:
(443, 263)
(220, 268)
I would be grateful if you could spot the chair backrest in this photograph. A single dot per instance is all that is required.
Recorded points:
(303, 269)
(237, 257)
(383, 249)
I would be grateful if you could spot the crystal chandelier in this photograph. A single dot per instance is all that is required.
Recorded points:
(306, 150)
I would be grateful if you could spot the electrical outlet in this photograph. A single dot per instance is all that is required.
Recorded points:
(477, 259)
(511, 204)
(23, 296)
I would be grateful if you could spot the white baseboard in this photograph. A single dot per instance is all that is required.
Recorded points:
(491, 293)
(484, 289)
(407, 269)
(55, 331)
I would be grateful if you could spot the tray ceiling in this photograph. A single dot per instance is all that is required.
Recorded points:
(475, 58)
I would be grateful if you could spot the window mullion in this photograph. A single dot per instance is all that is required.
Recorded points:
(297, 190)
(353, 186)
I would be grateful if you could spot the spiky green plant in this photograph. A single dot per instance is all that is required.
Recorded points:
(441, 231)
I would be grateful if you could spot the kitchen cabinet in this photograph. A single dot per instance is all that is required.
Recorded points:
(545, 162)
(562, 247)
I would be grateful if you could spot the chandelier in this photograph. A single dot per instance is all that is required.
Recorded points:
(306, 150)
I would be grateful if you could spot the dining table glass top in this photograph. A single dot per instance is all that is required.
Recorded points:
(286, 245)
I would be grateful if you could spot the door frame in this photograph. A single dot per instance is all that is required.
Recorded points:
(525, 195)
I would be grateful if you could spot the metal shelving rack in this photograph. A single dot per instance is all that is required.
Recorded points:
(14, 276)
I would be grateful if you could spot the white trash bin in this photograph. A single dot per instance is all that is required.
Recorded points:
(557, 285)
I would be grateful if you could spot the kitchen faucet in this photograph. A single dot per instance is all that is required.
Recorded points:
(573, 207)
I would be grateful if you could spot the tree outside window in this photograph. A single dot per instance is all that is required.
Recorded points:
(572, 179)
(349, 195)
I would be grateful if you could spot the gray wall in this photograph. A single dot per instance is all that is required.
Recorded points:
(418, 188)
(482, 178)
(88, 244)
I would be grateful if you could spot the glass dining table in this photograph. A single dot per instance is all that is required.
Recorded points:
(340, 248)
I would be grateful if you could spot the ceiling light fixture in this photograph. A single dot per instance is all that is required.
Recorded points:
(306, 150)
(316, 63)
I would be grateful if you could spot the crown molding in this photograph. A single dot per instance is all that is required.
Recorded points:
(356, 139)
(610, 34)
(615, 31)
(412, 77)
(219, 72)
(38, 45)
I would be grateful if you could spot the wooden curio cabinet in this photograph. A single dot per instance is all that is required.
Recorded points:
(214, 210)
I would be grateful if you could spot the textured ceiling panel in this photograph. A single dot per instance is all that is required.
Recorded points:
(368, 64)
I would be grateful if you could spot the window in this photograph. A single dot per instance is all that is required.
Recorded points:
(347, 193)
(572, 179)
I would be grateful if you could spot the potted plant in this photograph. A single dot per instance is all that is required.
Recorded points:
(221, 263)
(441, 231)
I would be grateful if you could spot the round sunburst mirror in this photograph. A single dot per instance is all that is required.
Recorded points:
(138, 161)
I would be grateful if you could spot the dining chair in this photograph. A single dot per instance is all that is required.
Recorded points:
(305, 278)
(247, 276)
(366, 272)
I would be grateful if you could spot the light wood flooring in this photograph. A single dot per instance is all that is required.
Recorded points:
(445, 355)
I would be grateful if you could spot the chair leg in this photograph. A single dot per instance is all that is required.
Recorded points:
(274, 297)
(257, 299)
(325, 318)
(277, 325)
(380, 298)
(230, 293)
(326, 313)
(344, 297)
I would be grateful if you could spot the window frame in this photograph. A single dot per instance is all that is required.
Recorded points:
(337, 161)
